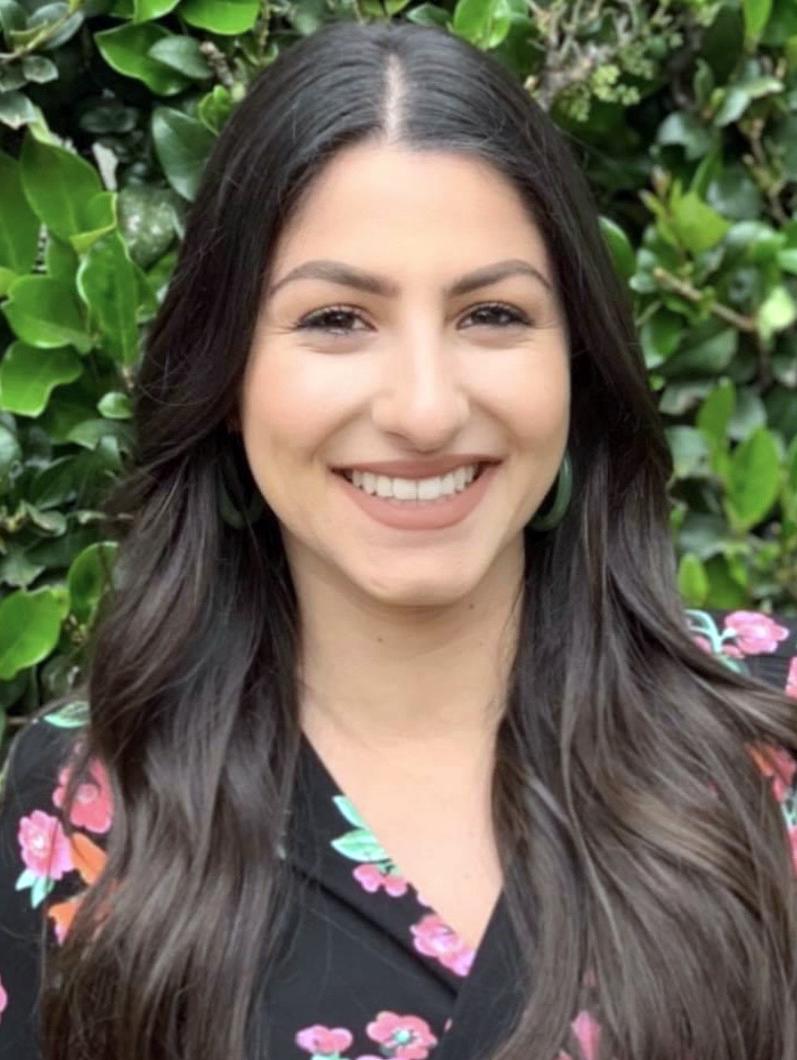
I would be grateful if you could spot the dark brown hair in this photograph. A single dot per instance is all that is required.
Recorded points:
(618, 735)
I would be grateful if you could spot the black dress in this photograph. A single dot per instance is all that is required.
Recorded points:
(373, 971)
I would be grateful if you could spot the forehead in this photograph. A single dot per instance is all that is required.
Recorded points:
(409, 205)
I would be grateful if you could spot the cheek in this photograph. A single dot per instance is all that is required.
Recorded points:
(532, 399)
(286, 404)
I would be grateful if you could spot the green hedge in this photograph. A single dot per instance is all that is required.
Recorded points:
(684, 115)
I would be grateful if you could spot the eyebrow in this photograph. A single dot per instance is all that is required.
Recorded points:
(349, 276)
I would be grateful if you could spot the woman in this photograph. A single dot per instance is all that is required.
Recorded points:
(371, 771)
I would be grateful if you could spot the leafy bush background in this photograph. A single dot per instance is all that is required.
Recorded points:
(683, 114)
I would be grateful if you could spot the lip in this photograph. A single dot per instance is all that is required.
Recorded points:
(421, 515)
(419, 468)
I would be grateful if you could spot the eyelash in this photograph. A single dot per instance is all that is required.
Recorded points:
(311, 322)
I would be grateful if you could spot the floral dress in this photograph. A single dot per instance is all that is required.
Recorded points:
(373, 971)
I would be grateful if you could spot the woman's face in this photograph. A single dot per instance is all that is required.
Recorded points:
(399, 368)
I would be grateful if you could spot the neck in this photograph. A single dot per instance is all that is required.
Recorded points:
(385, 677)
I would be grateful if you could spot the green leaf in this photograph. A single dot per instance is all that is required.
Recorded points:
(748, 414)
(777, 312)
(39, 68)
(125, 48)
(716, 411)
(686, 129)
(17, 110)
(92, 433)
(40, 889)
(346, 807)
(182, 54)
(45, 314)
(693, 581)
(697, 226)
(30, 626)
(787, 259)
(182, 145)
(214, 108)
(71, 716)
(11, 76)
(702, 533)
(707, 354)
(754, 480)
(484, 23)
(660, 336)
(45, 18)
(690, 451)
(756, 16)
(227, 17)
(10, 452)
(115, 405)
(108, 284)
(147, 221)
(13, 16)
(100, 217)
(144, 10)
(51, 522)
(734, 194)
(620, 246)
(87, 579)
(60, 260)
(7, 277)
(19, 226)
(29, 375)
(59, 185)
(702, 82)
(360, 845)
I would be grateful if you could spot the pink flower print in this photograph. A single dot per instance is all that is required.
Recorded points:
(785, 768)
(434, 938)
(778, 764)
(44, 847)
(322, 1040)
(587, 1031)
(3, 999)
(791, 679)
(405, 1037)
(756, 633)
(725, 649)
(92, 806)
(371, 877)
(793, 838)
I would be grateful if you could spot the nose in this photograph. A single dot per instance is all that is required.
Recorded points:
(422, 396)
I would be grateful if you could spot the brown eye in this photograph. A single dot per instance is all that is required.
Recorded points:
(319, 321)
(496, 309)
(333, 319)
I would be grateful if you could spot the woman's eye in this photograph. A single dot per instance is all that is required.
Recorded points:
(319, 321)
(497, 314)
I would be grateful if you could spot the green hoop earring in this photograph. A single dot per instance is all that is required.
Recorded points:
(564, 490)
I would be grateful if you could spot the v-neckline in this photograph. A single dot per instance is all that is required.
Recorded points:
(336, 791)
(486, 997)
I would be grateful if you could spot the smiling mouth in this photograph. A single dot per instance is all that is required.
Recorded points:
(348, 473)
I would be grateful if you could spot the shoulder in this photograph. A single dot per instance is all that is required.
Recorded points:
(46, 861)
(764, 647)
(44, 743)
(752, 642)
(44, 855)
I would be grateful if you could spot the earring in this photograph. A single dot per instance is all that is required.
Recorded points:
(229, 483)
(564, 490)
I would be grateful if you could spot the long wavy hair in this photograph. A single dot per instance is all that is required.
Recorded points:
(639, 850)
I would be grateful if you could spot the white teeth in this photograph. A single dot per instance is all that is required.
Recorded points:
(407, 489)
